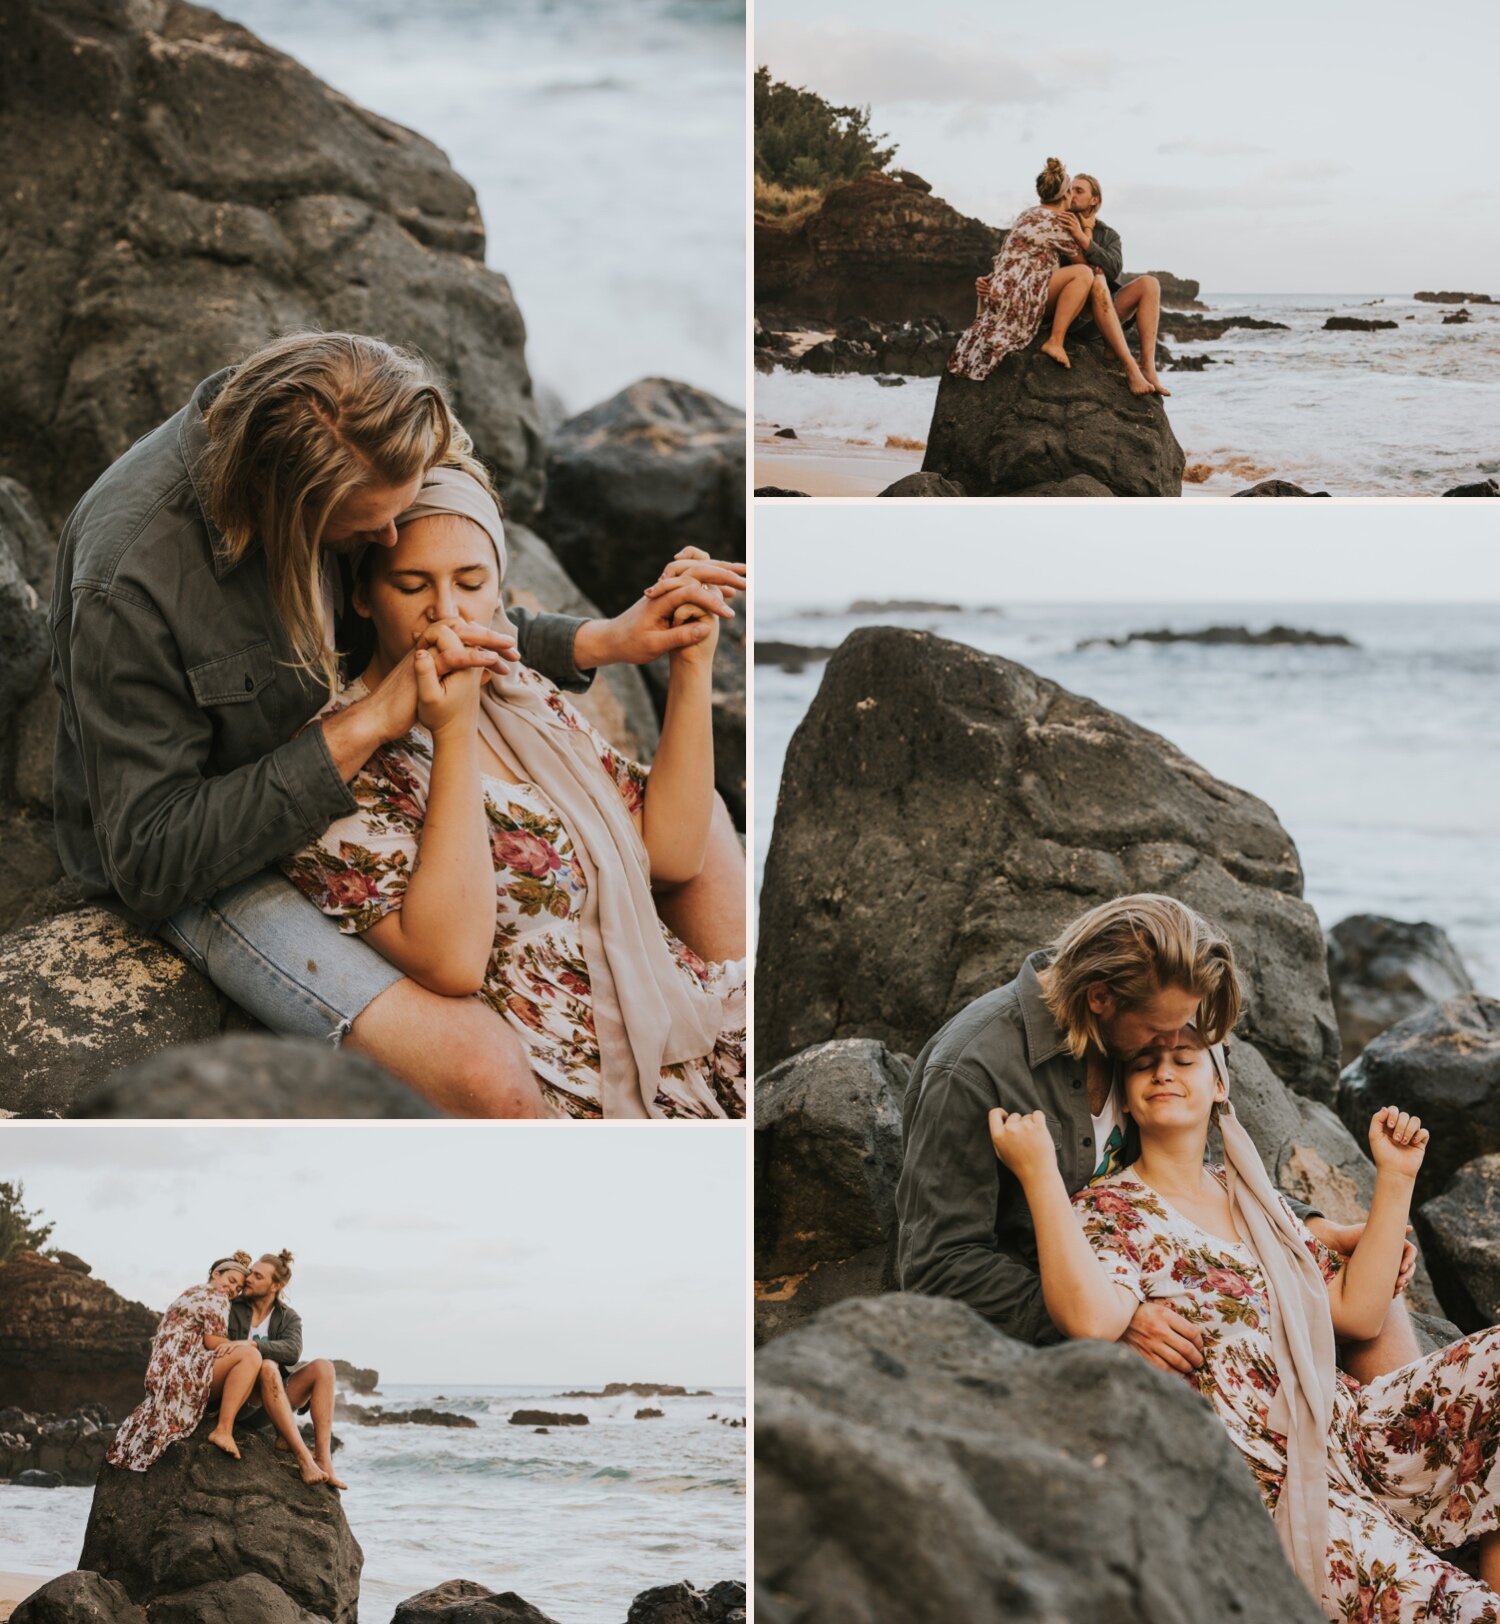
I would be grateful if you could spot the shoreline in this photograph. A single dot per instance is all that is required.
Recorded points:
(16, 1587)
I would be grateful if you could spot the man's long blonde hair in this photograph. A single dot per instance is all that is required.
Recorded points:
(1135, 947)
(299, 427)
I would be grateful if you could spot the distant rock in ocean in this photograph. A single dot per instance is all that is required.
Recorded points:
(1277, 636)
(1354, 324)
(1454, 298)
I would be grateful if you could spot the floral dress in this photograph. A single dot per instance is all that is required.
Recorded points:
(1011, 317)
(1412, 1455)
(537, 978)
(179, 1379)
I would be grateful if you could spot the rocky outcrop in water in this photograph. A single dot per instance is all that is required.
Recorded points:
(356, 1378)
(640, 1390)
(1382, 970)
(1278, 487)
(944, 812)
(1277, 636)
(1200, 329)
(1454, 298)
(914, 1466)
(1177, 292)
(547, 1418)
(877, 249)
(57, 1449)
(1354, 324)
(1481, 487)
(1032, 422)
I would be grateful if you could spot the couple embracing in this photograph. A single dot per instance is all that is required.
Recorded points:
(232, 1340)
(302, 741)
(1055, 1179)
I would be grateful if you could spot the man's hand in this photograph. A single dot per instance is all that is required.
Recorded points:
(645, 631)
(1164, 1338)
(1343, 1238)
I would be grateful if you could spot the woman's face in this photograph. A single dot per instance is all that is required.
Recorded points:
(229, 1280)
(442, 568)
(1172, 1085)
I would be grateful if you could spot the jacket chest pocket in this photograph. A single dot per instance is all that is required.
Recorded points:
(233, 679)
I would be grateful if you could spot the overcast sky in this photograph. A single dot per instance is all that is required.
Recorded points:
(1277, 148)
(436, 1253)
(1139, 552)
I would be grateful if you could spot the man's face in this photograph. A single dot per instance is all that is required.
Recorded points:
(259, 1283)
(369, 515)
(1081, 197)
(1157, 1022)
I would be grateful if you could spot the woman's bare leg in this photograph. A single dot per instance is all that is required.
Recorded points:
(1067, 293)
(1489, 1560)
(273, 1398)
(1102, 308)
(234, 1375)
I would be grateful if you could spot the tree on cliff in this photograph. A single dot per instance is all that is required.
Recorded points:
(20, 1230)
(802, 140)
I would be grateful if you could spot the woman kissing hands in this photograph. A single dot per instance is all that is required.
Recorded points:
(1398, 1141)
(1023, 1142)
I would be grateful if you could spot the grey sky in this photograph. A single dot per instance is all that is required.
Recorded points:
(1142, 552)
(437, 1253)
(1285, 148)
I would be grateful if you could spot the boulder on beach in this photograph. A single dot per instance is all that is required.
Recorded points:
(1382, 970)
(1460, 1233)
(924, 486)
(461, 1601)
(78, 1598)
(943, 813)
(779, 490)
(249, 1599)
(877, 249)
(1075, 485)
(68, 1340)
(1032, 422)
(1443, 1063)
(657, 467)
(1278, 487)
(35, 1478)
(915, 1466)
(682, 1603)
(200, 1518)
(181, 193)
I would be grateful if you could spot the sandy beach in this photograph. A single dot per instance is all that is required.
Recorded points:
(829, 467)
(15, 1588)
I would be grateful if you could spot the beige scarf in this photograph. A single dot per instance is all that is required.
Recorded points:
(1302, 1339)
(647, 1012)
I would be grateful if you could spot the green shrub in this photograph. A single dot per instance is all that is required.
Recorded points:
(803, 142)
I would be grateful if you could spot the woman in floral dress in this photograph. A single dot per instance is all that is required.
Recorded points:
(1365, 1483)
(504, 848)
(1039, 271)
(192, 1362)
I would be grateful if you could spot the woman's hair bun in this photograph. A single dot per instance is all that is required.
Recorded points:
(1055, 166)
(1051, 181)
(243, 1259)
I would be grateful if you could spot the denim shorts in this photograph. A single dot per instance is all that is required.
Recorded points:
(263, 944)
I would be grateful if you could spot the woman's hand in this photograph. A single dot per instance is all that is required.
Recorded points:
(1398, 1142)
(1074, 227)
(446, 704)
(982, 288)
(1022, 1141)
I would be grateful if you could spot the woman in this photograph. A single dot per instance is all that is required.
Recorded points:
(192, 1362)
(1364, 1483)
(1039, 271)
(504, 848)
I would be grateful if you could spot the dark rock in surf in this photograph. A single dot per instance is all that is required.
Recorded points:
(1382, 970)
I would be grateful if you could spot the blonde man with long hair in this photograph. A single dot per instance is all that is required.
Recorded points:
(198, 603)
(1127, 974)
(1112, 307)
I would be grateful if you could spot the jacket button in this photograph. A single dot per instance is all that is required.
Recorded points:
(249, 684)
(1078, 1082)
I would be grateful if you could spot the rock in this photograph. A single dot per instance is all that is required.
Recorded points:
(372, 1415)
(943, 813)
(1460, 1233)
(1483, 487)
(923, 485)
(778, 490)
(253, 1075)
(28, 774)
(648, 1414)
(1382, 970)
(1354, 324)
(30, 872)
(1177, 292)
(1075, 485)
(356, 1378)
(72, 1263)
(917, 348)
(67, 1339)
(199, 1517)
(1032, 422)
(1278, 487)
(915, 182)
(641, 1390)
(1443, 1063)
(1202, 329)
(25, 644)
(785, 434)
(618, 703)
(792, 657)
(39, 1480)
(878, 249)
(1454, 298)
(249, 1599)
(659, 466)
(895, 382)
(78, 1598)
(546, 1418)
(183, 192)
(914, 1464)
(1457, 319)
(461, 1601)
(686, 1604)
(1228, 637)
(827, 1157)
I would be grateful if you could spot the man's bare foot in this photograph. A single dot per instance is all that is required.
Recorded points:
(331, 1476)
(1139, 383)
(1053, 347)
(311, 1471)
(223, 1438)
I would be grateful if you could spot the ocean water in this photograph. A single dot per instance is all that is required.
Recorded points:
(1382, 761)
(1411, 412)
(606, 143)
(578, 1522)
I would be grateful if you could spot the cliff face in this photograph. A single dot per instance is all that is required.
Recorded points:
(879, 249)
(67, 1340)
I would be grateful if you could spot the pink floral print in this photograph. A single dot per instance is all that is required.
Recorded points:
(179, 1379)
(1011, 317)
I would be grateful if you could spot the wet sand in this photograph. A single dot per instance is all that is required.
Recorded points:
(830, 467)
(15, 1588)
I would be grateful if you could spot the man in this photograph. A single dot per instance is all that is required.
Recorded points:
(1138, 301)
(287, 1388)
(194, 619)
(1127, 974)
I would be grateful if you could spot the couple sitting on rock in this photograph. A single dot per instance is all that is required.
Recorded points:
(233, 1340)
(1055, 1179)
(503, 878)
(1060, 260)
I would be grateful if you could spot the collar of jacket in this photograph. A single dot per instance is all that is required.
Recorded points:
(193, 442)
(1045, 1039)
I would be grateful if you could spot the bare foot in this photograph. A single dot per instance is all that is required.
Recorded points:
(331, 1476)
(224, 1439)
(1156, 384)
(1139, 383)
(311, 1471)
(1053, 347)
